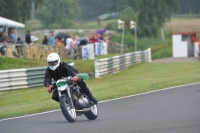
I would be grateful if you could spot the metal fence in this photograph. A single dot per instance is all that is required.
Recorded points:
(118, 63)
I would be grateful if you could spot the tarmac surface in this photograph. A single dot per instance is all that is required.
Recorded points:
(172, 110)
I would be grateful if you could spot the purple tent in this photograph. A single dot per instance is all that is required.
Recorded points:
(101, 31)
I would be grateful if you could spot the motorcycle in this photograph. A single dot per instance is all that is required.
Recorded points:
(73, 103)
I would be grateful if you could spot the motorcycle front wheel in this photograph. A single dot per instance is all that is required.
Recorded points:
(68, 111)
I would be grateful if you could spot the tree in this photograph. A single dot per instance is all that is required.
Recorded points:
(152, 15)
(119, 5)
(10, 9)
(58, 11)
(189, 6)
(90, 9)
(127, 15)
(18, 10)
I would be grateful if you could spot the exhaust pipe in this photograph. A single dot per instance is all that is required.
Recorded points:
(83, 110)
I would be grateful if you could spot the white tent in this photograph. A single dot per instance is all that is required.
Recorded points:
(8, 24)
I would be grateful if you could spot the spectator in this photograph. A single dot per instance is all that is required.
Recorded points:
(5, 38)
(87, 38)
(28, 37)
(99, 39)
(2, 49)
(45, 40)
(104, 38)
(94, 38)
(199, 43)
(19, 48)
(19, 41)
(76, 41)
(69, 44)
(12, 36)
(51, 40)
(199, 49)
(84, 40)
(60, 42)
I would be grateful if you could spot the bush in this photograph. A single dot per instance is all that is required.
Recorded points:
(112, 26)
(160, 48)
(160, 51)
(54, 26)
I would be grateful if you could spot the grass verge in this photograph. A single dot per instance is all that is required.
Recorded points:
(136, 79)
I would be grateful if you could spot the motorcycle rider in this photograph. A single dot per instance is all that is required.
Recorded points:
(57, 70)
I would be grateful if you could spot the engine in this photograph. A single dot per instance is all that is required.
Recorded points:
(83, 102)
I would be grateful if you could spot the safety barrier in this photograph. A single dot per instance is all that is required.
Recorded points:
(118, 63)
(34, 77)
(22, 78)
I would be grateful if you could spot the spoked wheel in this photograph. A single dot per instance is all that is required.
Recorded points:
(93, 113)
(68, 111)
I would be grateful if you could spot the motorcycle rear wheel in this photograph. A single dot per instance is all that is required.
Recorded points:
(93, 113)
(68, 112)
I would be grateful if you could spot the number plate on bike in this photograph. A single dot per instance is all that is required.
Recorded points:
(61, 85)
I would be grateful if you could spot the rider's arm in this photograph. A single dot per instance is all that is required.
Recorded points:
(47, 78)
(71, 70)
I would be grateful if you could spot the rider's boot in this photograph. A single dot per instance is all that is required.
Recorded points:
(86, 90)
(91, 97)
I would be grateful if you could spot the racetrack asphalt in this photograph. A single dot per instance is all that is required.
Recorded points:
(174, 110)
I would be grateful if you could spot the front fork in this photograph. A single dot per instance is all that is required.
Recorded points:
(68, 98)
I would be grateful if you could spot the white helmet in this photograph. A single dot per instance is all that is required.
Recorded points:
(53, 60)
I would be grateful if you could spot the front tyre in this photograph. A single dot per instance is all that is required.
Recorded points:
(93, 113)
(68, 111)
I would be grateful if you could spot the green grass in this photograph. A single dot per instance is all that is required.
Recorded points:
(136, 79)
(17, 63)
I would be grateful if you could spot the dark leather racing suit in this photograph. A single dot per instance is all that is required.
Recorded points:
(65, 70)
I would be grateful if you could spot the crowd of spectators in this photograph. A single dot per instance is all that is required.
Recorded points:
(12, 39)
(76, 40)
(65, 42)
(71, 42)
(50, 41)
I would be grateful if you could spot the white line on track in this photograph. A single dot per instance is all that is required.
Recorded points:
(102, 101)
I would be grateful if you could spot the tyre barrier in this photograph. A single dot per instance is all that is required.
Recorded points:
(84, 76)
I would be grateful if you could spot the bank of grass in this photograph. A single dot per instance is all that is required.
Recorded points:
(84, 66)
(136, 79)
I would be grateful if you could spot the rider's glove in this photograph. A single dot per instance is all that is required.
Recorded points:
(49, 88)
(75, 79)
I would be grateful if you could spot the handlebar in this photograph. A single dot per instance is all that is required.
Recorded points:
(54, 86)
(69, 80)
